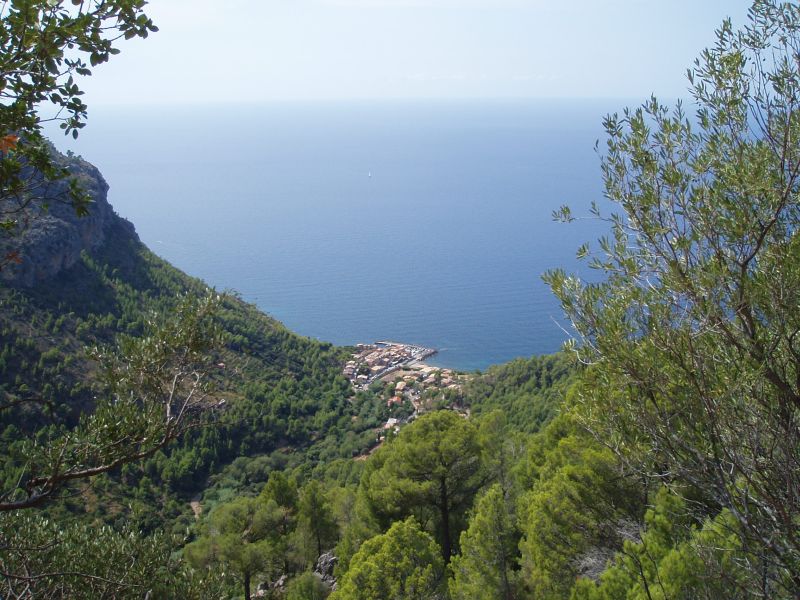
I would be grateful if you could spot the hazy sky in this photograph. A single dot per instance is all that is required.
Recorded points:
(260, 50)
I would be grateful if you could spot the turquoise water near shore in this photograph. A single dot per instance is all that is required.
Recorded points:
(421, 222)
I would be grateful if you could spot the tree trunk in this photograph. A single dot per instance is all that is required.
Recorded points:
(444, 508)
(507, 591)
(247, 586)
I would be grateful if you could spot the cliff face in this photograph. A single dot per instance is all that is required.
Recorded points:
(56, 236)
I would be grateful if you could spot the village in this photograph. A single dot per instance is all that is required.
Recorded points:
(374, 361)
(406, 381)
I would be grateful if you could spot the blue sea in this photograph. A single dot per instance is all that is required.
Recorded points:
(423, 222)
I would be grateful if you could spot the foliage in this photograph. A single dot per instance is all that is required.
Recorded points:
(316, 517)
(577, 506)
(432, 471)
(527, 390)
(45, 45)
(155, 389)
(306, 587)
(281, 489)
(502, 449)
(280, 532)
(487, 567)
(84, 562)
(693, 333)
(402, 564)
(241, 537)
(675, 559)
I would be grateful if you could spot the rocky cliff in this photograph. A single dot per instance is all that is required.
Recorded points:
(55, 236)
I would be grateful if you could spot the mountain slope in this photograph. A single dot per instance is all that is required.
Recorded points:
(82, 283)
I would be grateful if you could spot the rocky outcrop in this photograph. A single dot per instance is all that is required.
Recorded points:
(324, 569)
(55, 236)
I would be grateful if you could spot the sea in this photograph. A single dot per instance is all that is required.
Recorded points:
(426, 222)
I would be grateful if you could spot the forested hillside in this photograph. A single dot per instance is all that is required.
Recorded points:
(272, 394)
(527, 391)
(280, 405)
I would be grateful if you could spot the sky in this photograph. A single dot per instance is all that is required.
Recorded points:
(253, 51)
